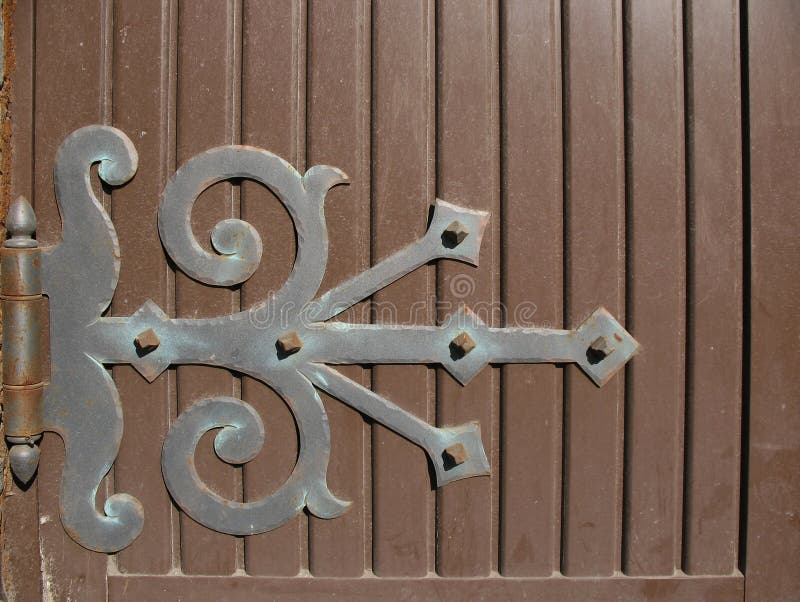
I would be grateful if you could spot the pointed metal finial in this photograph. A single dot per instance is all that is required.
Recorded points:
(24, 460)
(21, 224)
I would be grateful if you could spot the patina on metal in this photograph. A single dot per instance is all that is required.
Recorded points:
(285, 340)
(21, 294)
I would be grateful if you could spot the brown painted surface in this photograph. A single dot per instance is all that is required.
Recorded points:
(773, 522)
(143, 108)
(594, 207)
(467, 167)
(531, 396)
(620, 589)
(656, 286)
(403, 117)
(714, 288)
(338, 133)
(20, 561)
(606, 140)
(71, 80)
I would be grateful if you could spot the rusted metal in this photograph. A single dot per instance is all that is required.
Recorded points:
(21, 273)
(599, 350)
(284, 340)
(543, 113)
(456, 454)
(21, 293)
(22, 411)
(21, 331)
(462, 344)
(289, 343)
(147, 341)
(455, 234)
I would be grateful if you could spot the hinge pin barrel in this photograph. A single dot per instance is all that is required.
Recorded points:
(21, 296)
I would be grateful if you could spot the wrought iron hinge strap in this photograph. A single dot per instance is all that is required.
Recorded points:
(285, 341)
(21, 294)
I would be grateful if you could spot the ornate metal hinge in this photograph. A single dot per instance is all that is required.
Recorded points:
(21, 293)
(286, 340)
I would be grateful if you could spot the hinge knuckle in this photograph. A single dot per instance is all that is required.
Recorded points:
(22, 364)
(22, 411)
(21, 295)
(21, 270)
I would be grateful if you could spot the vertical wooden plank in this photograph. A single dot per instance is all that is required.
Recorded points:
(21, 564)
(773, 537)
(594, 188)
(338, 133)
(142, 110)
(69, 72)
(402, 178)
(205, 105)
(273, 117)
(468, 174)
(532, 290)
(20, 68)
(714, 324)
(656, 288)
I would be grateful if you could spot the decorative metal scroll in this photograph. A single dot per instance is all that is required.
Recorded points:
(291, 353)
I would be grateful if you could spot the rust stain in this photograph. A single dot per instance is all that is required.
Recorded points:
(457, 454)
(9, 578)
(289, 343)
(463, 344)
(5, 97)
(147, 341)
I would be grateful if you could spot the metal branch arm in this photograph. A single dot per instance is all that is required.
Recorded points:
(341, 343)
(285, 341)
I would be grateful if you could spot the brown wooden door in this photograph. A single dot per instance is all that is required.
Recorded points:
(637, 155)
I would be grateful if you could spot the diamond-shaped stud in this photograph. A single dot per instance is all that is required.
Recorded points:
(147, 341)
(289, 343)
(599, 350)
(465, 358)
(455, 455)
(454, 235)
(151, 360)
(606, 346)
(462, 345)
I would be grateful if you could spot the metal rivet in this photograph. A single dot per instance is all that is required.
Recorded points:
(289, 343)
(147, 340)
(599, 350)
(454, 234)
(462, 345)
(456, 454)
